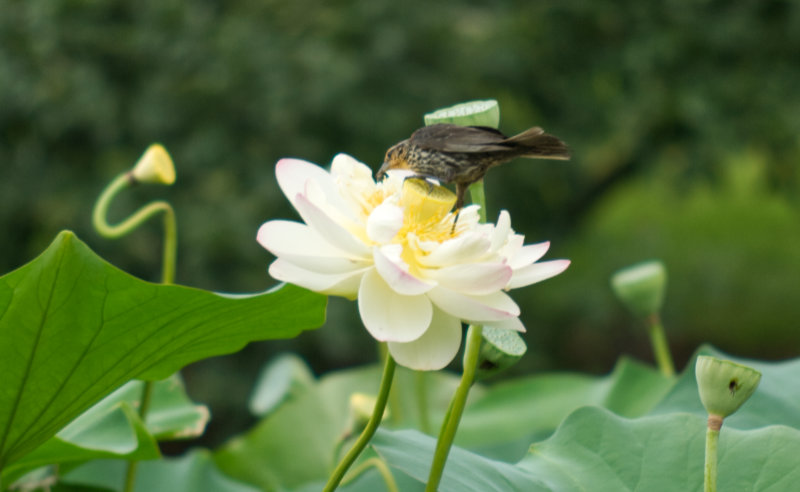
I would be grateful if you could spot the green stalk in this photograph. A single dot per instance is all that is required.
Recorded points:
(169, 254)
(369, 430)
(453, 417)
(386, 473)
(712, 439)
(421, 388)
(660, 346)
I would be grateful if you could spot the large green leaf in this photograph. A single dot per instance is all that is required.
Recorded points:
(73, 328)
(510, 415)
(596, 450)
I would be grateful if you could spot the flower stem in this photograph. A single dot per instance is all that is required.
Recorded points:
(369, 430)
(453, 417)
(660, 346)
(386, 473)
(712, 439)
(421, 387)
(169, 254)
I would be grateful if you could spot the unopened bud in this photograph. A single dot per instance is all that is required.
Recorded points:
(155, 166)
(641, 287)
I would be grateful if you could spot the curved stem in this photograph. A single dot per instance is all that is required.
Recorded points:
(369, 430)
(386, 473)
(660, 346)
(453, 417)
(169, 254)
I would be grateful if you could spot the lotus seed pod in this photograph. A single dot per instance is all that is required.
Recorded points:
(724, 385)
(472, 113)
(641, 287)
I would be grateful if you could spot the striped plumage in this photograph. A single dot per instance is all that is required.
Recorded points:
(463, 154)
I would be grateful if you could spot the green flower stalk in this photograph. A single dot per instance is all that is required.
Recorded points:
(154, 167)
(370, 428)
(641, 289)
(724, 386)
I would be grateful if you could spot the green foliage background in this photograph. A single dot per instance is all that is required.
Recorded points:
(683, 117)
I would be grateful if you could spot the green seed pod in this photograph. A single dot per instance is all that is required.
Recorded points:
(641, 287)
(500, 350)
(472, 113)
(724, 385)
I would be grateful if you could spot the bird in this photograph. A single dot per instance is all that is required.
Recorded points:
(464, 154)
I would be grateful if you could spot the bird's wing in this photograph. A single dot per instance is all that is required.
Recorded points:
(445, 137)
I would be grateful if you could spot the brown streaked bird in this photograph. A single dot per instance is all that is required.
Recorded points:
(463, 154)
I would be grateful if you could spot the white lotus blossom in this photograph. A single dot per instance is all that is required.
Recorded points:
(392, 245)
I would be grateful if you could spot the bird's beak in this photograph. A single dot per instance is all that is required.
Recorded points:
(382, 171)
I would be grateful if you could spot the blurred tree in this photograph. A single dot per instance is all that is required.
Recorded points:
(651, 97)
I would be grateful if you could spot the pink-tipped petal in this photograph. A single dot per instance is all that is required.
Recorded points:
(501, 230)
(537, 272)
(490, 307)
(513, 324)
(433, 350)
(389, 316)
(333, 232)
(461, 249)
(473, 278)
(528, 254)
(395, 272)
(342, 284)
(302, 246)
(298, 177)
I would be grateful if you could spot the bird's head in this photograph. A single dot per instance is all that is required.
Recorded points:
(395, 159)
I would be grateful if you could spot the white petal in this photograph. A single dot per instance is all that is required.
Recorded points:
(389, 316)
(472, 278)
(537, 272)
(433, 350)
(462, 249)
(384, 222)
(328, 228)
(501, 230)
(347, 168)
(302, 246)
(298, 177)
(490, 307)
(395, 271)
(342, 284)
(513, 324)
(528, 254)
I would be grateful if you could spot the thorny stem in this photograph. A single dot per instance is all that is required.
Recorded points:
(369, 430)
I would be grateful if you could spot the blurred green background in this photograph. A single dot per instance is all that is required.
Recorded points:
(683, 117)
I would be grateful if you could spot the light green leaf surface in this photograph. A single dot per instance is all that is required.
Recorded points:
(194, 472)
(776, 400)
(286, 376)
(297, 443)
(595, 450)
(112, 429)
(73, 328)
(511, 415)
(115, 431)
